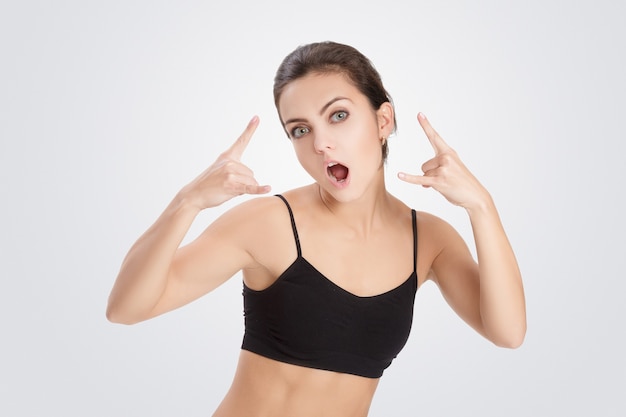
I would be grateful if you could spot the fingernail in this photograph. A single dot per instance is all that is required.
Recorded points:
(421, 116)
(401, 175)
(254, 119)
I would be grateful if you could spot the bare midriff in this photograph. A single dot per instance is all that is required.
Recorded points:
(266, 388)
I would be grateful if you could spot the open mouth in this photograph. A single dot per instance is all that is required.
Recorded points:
(337, 171)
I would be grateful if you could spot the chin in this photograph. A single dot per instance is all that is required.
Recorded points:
(347, 194)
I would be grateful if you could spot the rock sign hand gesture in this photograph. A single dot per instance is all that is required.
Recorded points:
(227, 177)
(446, 173)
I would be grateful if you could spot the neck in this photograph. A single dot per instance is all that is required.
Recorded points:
(363, 213)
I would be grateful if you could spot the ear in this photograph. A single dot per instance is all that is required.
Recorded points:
(386, 119)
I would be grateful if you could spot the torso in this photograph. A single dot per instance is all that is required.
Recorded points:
(266, 388)
(358, 262)
(362, 265)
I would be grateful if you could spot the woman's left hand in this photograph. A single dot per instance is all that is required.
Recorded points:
(446, 173)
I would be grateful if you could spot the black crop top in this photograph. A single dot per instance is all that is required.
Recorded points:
(305, 319)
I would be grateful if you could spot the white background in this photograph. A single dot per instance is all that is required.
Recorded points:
(108, 108)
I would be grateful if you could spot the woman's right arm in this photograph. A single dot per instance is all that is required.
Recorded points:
(156, 275)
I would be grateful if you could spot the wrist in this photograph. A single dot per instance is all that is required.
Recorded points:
(483, 205)
(184, 202)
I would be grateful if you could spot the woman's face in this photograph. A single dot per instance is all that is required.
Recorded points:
(335, 132)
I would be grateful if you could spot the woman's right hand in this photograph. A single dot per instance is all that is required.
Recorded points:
(151, 281)
(227, 177)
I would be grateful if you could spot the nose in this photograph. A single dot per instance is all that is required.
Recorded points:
(323, 141)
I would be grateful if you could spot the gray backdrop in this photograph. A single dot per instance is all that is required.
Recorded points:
(108, 108)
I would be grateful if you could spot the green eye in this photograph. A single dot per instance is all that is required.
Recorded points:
(339, 116)
(298, 132)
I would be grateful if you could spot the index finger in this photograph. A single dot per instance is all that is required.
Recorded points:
(435, 140)
(236, 149)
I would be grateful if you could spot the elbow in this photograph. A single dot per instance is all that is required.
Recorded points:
(512, 343)
(114, 315)
(511, 340)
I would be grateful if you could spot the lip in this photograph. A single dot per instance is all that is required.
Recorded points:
(337, 184)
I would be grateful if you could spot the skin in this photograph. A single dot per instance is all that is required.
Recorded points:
(329, 120)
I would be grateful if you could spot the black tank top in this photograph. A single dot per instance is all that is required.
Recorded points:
(305, 319)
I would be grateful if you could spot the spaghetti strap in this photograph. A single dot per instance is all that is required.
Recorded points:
(414, 240)
(293, 224)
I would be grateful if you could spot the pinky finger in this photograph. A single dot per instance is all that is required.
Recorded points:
(422, 180)
(257, 189)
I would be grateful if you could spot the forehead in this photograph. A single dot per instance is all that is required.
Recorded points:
(311, 92)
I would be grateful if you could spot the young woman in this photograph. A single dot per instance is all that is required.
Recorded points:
(330, 270)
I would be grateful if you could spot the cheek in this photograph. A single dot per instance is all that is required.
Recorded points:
(365, 130)
(371, 150)
(305, 157)
(368, 142)
(300, 149)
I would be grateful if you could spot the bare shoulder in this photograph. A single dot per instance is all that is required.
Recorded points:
(252, 220)
(434, 227)
(250, 210)
(264, 230)
(435, 236)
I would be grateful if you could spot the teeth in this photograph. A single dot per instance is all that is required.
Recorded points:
(332, 164)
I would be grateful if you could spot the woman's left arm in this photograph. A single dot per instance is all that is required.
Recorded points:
(490, 295)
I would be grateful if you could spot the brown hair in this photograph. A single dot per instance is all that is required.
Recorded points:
(332, 57)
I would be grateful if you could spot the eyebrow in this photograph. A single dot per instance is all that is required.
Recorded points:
(322, 110)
